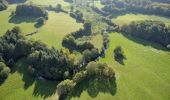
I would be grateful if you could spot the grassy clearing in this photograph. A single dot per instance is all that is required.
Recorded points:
(145, 75)
(20, 86)
(128, 18)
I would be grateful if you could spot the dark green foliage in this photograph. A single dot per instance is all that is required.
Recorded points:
(30, 10)
(32, 71)
(49, 63)
(3, 5)
(150, 30)
(4, 71)
(8, 43)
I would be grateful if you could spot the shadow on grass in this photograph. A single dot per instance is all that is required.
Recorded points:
(42, 88)
(145, 42)
(93, 88)
(21, 19)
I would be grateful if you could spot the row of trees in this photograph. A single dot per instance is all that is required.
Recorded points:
(93, 70)
(150, 30)
(3, 5)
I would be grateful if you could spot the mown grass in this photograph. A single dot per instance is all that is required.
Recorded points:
(128, 18)
(144, 75)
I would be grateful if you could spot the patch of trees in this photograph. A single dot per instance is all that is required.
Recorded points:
(77, 15)
(16, 1)
(30, 10)
(3, 5)
(149, 30)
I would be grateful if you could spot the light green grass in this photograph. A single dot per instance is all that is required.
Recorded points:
(145, 75)
(128, 18)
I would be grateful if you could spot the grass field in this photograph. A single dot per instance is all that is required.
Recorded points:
(144, 75)
(128, 18)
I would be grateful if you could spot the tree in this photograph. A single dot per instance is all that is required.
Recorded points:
(59, 7)
(118, 53)
(80, 76)
(65, 86)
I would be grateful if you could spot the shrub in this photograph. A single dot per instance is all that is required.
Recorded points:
(80, 76)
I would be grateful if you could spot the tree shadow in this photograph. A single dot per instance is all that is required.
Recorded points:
(145, 42)
(42, 88)
(93, 87)
(21, 19)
